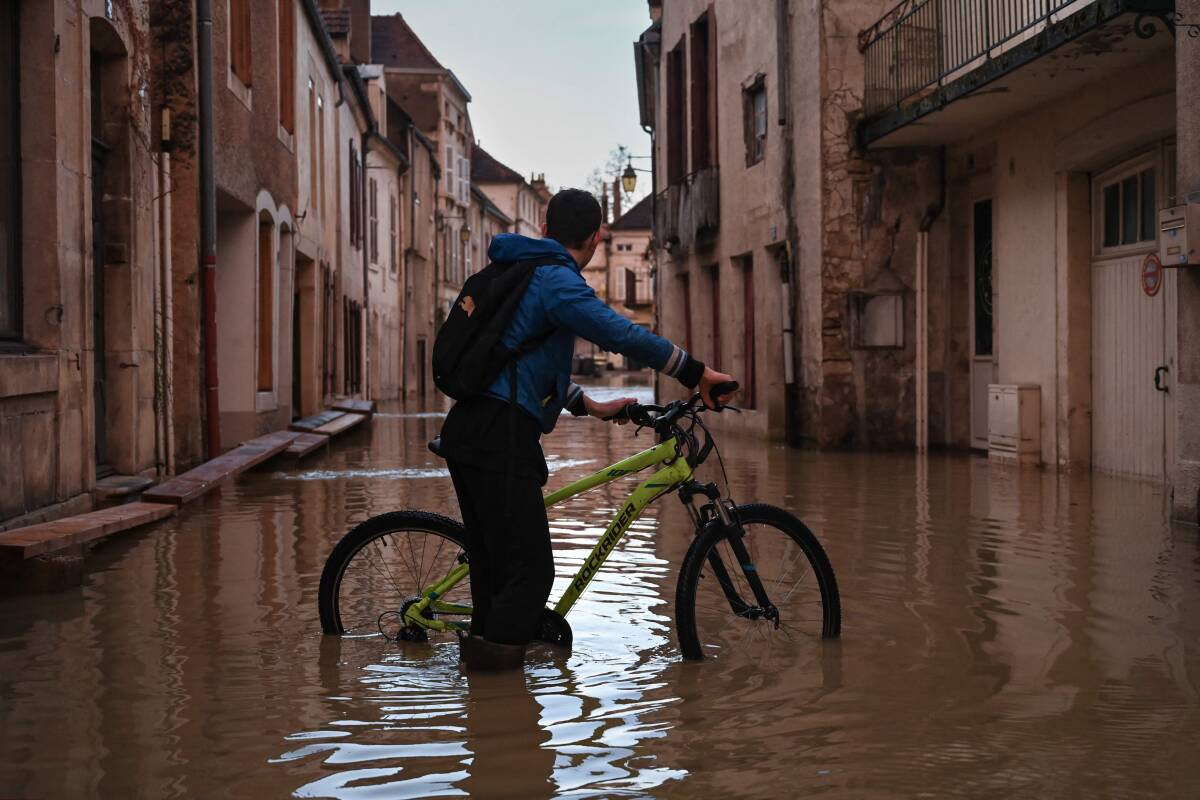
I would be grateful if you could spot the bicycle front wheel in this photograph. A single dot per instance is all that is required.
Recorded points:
(720, 611)
(386, 563)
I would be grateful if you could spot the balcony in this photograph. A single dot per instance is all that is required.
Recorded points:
(689, 212)
(924, 55)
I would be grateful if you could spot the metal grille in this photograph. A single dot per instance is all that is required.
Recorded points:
(920, 42)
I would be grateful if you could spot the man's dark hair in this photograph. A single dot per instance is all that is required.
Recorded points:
(572, 217)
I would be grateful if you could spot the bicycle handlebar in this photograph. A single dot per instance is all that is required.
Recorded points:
(649, 415)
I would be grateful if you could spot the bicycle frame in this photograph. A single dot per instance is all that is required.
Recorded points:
(675, 471)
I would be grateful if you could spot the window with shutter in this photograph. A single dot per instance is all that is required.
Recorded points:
(373, 213)
(287, 65)
(239, 39)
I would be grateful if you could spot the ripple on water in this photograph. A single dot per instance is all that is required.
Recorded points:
(1006, 633)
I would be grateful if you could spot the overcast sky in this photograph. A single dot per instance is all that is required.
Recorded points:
(551, 81)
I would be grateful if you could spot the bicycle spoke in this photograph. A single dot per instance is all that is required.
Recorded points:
(784, 570)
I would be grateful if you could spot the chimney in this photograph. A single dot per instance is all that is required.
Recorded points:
(604, 206)
(616, 199)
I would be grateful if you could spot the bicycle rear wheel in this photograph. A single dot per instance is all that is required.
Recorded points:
(385, 563)
(716, 608)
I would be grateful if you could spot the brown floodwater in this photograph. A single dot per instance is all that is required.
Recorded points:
(1006, 633)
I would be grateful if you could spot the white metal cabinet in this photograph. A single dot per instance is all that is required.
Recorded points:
(1015, 422)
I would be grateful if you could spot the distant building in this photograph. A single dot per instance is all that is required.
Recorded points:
(620, 274)
(522, 201)
(487, 220)
(437, 103)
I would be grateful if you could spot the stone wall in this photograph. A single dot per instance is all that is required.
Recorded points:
(1186, 496)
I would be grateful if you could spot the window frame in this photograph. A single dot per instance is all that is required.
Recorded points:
(756, 145)
(1129, 168)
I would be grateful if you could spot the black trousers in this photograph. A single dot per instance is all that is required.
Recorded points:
(512, 564)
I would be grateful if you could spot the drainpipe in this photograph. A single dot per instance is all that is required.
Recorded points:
(166, 316)
(655, 272)
(922, 367)
(208, 224)
(788, 286)
(365, 325)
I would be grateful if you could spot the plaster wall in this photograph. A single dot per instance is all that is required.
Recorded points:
(47, 380)
(753, 219)
(1040, 183)
(419, 265)
(1186, 494)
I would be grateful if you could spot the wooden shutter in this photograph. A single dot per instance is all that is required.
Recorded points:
(676, 117)
(239, 39)
(698, 81)
(287, 65)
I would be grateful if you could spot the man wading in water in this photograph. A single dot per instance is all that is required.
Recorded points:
(494, 455)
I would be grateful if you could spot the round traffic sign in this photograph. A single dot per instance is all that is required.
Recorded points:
(1152, 276)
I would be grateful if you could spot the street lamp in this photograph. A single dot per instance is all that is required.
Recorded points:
(629, 176)
(464, 234)
(629, 179)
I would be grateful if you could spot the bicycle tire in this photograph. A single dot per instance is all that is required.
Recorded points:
(691, 639)
(363, 534)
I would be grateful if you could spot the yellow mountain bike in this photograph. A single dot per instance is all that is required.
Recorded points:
(754, 576)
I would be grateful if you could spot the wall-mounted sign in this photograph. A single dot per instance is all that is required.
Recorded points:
(1152, 275)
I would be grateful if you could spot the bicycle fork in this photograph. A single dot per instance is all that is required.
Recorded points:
(718, 511)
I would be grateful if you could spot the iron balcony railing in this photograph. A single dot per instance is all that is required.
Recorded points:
(919, 43)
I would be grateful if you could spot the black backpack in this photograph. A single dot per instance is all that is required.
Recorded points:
(468, 354)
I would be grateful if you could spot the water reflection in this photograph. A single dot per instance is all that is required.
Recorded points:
(1006, 633)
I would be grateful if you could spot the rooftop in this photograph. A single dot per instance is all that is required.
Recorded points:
(394, 44)
(337, 21)
(485, 167)
(637, 218)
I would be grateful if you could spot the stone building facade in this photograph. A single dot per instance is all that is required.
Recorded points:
(523, 202)
(437, 103)
(952, 216)
(84, 271)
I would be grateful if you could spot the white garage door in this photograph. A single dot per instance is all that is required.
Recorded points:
(1131, 338)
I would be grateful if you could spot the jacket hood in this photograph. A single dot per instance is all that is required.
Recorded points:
(514, 247)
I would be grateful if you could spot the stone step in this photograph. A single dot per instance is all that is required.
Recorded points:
(341, 424)
(310, 424)
(196, 482)
(305, 444)
(357, 406)
(37, 540)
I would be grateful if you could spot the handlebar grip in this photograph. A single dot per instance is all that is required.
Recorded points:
(729, 387)
(622, 414)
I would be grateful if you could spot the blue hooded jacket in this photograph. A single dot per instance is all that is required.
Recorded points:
(558, 297)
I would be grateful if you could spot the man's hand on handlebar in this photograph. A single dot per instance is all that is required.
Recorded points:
(609, 410)
(724, 384)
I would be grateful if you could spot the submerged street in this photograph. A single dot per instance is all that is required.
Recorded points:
(1006, 633)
